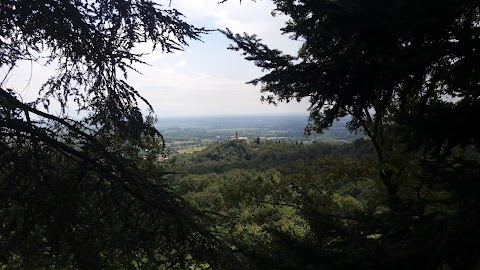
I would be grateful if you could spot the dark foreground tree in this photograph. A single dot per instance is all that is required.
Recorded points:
(407, 72)
(71, 195)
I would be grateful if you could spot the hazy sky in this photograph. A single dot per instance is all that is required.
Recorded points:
(206, 78)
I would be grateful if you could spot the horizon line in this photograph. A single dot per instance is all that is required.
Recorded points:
(232, 115)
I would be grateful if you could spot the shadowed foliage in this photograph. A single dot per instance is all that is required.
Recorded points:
(407, 73)
(74, 193)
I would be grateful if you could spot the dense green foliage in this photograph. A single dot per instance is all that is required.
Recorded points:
(324, 206)
(90, 194)
(74, 193)
(281, 156)
(407, 73)
(284, 212)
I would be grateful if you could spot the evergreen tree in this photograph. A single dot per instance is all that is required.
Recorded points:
(73, 192)
(407, 74)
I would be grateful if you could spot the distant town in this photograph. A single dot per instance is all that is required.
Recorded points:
(191, 134)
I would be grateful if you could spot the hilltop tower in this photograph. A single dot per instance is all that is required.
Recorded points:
(241, 138)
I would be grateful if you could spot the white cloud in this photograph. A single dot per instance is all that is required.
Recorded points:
(216, 85)
(173, 92)
(251, 17)
(205, 79)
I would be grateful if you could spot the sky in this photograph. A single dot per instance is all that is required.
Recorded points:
(205, 78)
